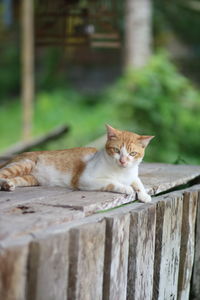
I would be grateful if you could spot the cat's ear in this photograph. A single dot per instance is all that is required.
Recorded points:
(111, 132)
(145, 139)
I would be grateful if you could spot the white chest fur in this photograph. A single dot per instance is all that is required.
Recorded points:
(102, 167)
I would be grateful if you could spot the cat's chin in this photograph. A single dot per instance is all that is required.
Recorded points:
(123, 166)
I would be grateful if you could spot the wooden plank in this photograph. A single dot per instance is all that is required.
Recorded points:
(86, 257)
(88, 202)
(159, 177)
(141, 252)
(13, 266)
(195, 286)
(187, 243)
(116, 257)
(167, 246)
(23, 220)
(48, 268)
(30, 209)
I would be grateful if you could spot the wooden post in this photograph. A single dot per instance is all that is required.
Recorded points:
(138, 35)
(27, 30)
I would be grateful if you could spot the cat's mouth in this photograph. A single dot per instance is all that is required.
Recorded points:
(122, 165)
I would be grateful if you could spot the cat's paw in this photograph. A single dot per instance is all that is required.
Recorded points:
(128, 190)
(7, 185)
(144, 197)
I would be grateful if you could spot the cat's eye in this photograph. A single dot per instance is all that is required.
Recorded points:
(133, 153)
(116, 150)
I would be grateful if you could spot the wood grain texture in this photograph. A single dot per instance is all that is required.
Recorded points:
(187, 243)
(158, 177)
(167, 247)
(141, 253)
(48, 268)
(86, 257)
(13, 267)
(32, 209)
(195, 286)
(71, 251)
(116, 257)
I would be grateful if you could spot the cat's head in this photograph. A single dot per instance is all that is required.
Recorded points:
(124, 147)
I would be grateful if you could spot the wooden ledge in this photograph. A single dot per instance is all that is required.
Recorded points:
(29, 210)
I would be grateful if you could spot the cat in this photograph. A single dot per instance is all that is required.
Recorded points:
(112, 169)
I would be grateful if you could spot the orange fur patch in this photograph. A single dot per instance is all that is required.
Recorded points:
(26, 180)
(66, 161)
(128, 139)
(77, 171)
(109, 188)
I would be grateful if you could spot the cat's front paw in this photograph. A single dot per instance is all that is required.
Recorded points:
(144, 197)
(7, 185)
(128, 190)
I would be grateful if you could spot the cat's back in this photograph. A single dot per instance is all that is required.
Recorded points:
(62, 167)
(67, 157)
(56, 156)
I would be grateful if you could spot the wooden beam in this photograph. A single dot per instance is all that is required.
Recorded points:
(26, 146)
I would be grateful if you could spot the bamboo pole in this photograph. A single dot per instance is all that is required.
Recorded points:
(27, 92)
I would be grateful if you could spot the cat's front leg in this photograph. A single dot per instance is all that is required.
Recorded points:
(106, 185)
(119, 188)
(140, 190)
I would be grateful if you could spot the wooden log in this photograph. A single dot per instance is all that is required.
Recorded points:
(48, 268)
(141, 252)
(13, 266)
(25, 146)
(86, 257)
(167, 247)
(187, 243)
(116, 257)
(195, 286)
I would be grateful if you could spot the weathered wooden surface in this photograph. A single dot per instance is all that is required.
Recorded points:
(141, 261)
(13, 267)
(109, 255)
(116, 257)
(53, 244)
(87, 245)
(159, 178)
(167, 247)
(48, 268)
(187, 243)
(28, 210)
(195, 282)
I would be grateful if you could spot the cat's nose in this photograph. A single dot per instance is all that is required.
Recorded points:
(122, 161)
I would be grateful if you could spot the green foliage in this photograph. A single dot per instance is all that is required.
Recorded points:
(178, 15)
(85, 119)
(157, 100)
(9, 71)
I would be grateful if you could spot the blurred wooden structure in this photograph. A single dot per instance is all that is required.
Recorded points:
(54, 244)
(85, 30)
(27, 58)
(33, 143)
(75, 24)
(138, 32)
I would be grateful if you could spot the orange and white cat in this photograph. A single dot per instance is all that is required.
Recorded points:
(113, 169)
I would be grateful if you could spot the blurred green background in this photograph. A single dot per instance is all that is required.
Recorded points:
(162, 98)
